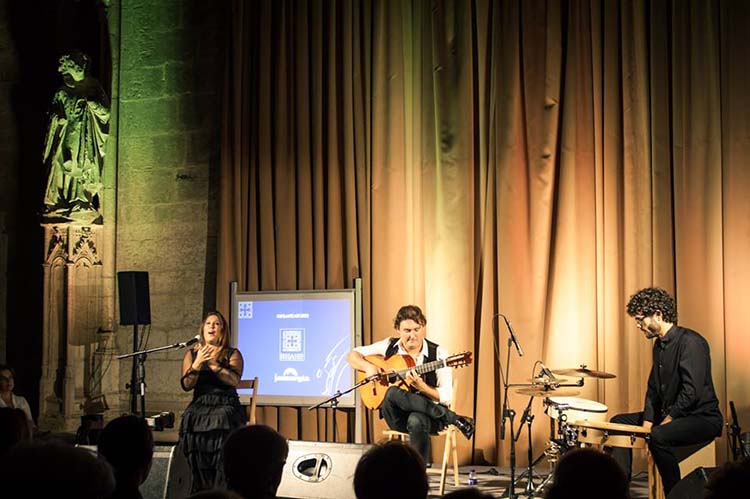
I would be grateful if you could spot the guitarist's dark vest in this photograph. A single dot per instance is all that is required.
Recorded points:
(429, 378)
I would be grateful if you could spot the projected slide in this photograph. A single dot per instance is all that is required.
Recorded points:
(297, 347)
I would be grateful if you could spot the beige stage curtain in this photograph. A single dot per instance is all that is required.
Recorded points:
(540, 159)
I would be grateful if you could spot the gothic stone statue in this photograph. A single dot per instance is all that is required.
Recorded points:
(74, 146)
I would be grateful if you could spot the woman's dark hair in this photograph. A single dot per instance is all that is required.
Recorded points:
(648, 301)
(6, 367)
(409, 312)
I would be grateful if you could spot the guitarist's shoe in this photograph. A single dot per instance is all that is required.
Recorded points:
(465, 425)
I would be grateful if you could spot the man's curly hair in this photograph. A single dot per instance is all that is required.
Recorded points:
(648, 301)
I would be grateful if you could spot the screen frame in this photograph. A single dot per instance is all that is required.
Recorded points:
(349, 400)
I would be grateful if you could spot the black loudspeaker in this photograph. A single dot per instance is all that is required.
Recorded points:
(692, 486)
(169, 477)
(135, 304)
(320, 470)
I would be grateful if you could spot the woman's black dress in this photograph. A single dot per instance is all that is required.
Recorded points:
(207, 422)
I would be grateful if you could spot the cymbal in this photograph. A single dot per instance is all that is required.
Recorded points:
(541, 392)
(583, 372)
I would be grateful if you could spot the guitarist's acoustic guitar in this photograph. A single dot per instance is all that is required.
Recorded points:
(395, 370)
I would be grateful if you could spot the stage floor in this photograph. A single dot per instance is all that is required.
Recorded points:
(494, 481)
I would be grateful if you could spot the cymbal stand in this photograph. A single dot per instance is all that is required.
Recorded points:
(528, 418)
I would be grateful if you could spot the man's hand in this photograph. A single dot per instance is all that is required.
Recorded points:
(416, 381)
(372, 370)
(666, 420)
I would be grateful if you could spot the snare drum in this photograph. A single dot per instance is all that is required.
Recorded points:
(576, 409)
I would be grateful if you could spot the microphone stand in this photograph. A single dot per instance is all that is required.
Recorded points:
(140, 361)
(334, 401)
(509, 413)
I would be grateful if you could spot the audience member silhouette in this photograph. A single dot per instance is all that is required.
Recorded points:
(468, 493)
(128, 445)
(14, 428)
(588, 474)
(730, 481)
(254, 458)
(54, 469)
(392, 470)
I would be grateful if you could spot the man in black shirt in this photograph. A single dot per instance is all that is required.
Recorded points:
(681, 407)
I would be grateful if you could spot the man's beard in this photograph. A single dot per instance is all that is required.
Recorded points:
(652, 332)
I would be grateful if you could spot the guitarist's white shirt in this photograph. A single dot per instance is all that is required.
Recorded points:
(444, 375)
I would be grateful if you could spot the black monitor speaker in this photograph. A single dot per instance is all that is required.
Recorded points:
(135, 304)
(692, 486)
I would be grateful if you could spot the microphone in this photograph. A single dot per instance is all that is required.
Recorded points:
(512, 336)
(546, 371)
(192, 341)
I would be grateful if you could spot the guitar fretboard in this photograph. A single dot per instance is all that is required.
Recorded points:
(421, 369)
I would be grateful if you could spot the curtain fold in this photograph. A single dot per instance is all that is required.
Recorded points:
(539, 159)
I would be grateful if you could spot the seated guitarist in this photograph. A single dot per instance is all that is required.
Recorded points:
(423, 409)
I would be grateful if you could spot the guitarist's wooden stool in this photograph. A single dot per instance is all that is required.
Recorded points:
(449, 432)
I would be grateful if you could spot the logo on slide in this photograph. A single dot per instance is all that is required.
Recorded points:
(245, 310)
(292, 345)
(290, 374)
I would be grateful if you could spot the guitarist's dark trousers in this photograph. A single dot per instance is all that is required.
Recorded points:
(416, 415)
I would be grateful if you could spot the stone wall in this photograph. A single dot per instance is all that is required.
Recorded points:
(8, 158)
(170, 74)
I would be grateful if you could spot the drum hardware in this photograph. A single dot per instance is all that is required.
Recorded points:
(548, 387)
(541, 387)
(605, 436)
(552, 453)
(547, 392)
(612, 434)
(530, 491)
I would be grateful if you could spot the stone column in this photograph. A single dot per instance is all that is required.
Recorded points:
(78, 344)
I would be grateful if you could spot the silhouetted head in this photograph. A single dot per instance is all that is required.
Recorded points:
(588, 474)
(254, 458)
(730, 481)
(53, 469)
(14, 428)
(392, 470)
(128, 445)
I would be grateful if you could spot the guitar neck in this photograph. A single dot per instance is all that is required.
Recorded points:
(424, 368)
